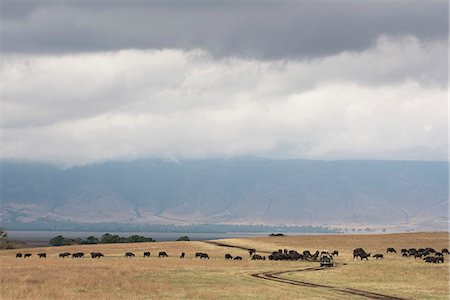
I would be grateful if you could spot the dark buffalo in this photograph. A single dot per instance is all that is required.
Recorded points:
(429, 259)
(364, 256)
(129, 254)
(335, 252)
(306, 254)
(439, 260)
(390, 250)
(237, 258)
(96, 254)
(445, 250)
(378, 256)
(19, 255)
(147, 254)
(228, 256)
(405, 254)
(438, 254)
(257, 257)
(163, 254)
(42, 255)
(315, 256)
(204, 256)
(27, 255)
(78, 255)
(182, 255)
(64, 255)
(251, 251)
(357, 251)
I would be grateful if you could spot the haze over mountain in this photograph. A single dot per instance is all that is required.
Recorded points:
(235, 191)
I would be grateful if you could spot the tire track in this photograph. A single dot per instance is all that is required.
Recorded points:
(275, 277)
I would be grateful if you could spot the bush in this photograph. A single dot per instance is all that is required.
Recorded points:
(184, 238)
(90, 240)
(62, 241)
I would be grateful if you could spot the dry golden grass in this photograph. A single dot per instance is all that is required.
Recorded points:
(116, 277)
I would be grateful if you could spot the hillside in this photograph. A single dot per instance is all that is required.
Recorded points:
(237, 191)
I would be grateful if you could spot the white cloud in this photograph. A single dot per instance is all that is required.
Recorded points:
(388, 102)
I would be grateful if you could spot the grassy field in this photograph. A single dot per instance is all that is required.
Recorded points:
(117, 277)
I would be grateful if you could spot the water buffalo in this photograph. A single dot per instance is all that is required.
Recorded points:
(78, 255)
(182, 255)
(129, 254)
(378, 256)
(357, 251)
(429, 259)
(257, 257)
(19, 255)
(306, 254)
(147, 254)
(163, 254)
(315, 256)
(364, 255)
(444, 250)
(405, 254)
(438, 254)
(27, 255)
(96, 254)
(228, 256)
(390, 250)
(203, 255)
(64, 255)
(237, 258)
(42, 255)
(439, 259)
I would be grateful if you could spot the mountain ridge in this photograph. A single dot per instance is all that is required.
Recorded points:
(229, 191)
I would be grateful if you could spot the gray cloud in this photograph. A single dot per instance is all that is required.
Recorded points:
(286, 29)
(387, 102)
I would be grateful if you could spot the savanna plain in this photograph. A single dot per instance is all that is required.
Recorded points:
(117, 277)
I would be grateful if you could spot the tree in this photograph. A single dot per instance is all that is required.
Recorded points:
(184, 238)
(90, 240)
(58, 241)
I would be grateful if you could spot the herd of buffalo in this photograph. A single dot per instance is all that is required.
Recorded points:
(429, 255)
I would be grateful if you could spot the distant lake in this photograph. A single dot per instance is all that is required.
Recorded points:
(42, 237)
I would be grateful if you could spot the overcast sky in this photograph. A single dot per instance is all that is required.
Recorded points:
(88, 81)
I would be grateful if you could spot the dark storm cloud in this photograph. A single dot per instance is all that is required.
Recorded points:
(249, 29)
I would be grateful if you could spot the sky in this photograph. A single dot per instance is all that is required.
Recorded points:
(90, 81)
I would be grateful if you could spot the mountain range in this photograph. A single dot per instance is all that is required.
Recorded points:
(407, 194)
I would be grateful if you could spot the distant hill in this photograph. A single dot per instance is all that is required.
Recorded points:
(236, 191)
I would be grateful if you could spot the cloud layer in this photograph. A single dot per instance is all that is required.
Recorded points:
(388, 101)
(263, 30)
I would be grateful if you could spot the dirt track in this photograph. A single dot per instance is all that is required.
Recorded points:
(275, 276)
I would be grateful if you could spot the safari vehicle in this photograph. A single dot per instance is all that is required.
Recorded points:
(326, 259)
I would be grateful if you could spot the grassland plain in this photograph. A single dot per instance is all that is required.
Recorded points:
(117, 277)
